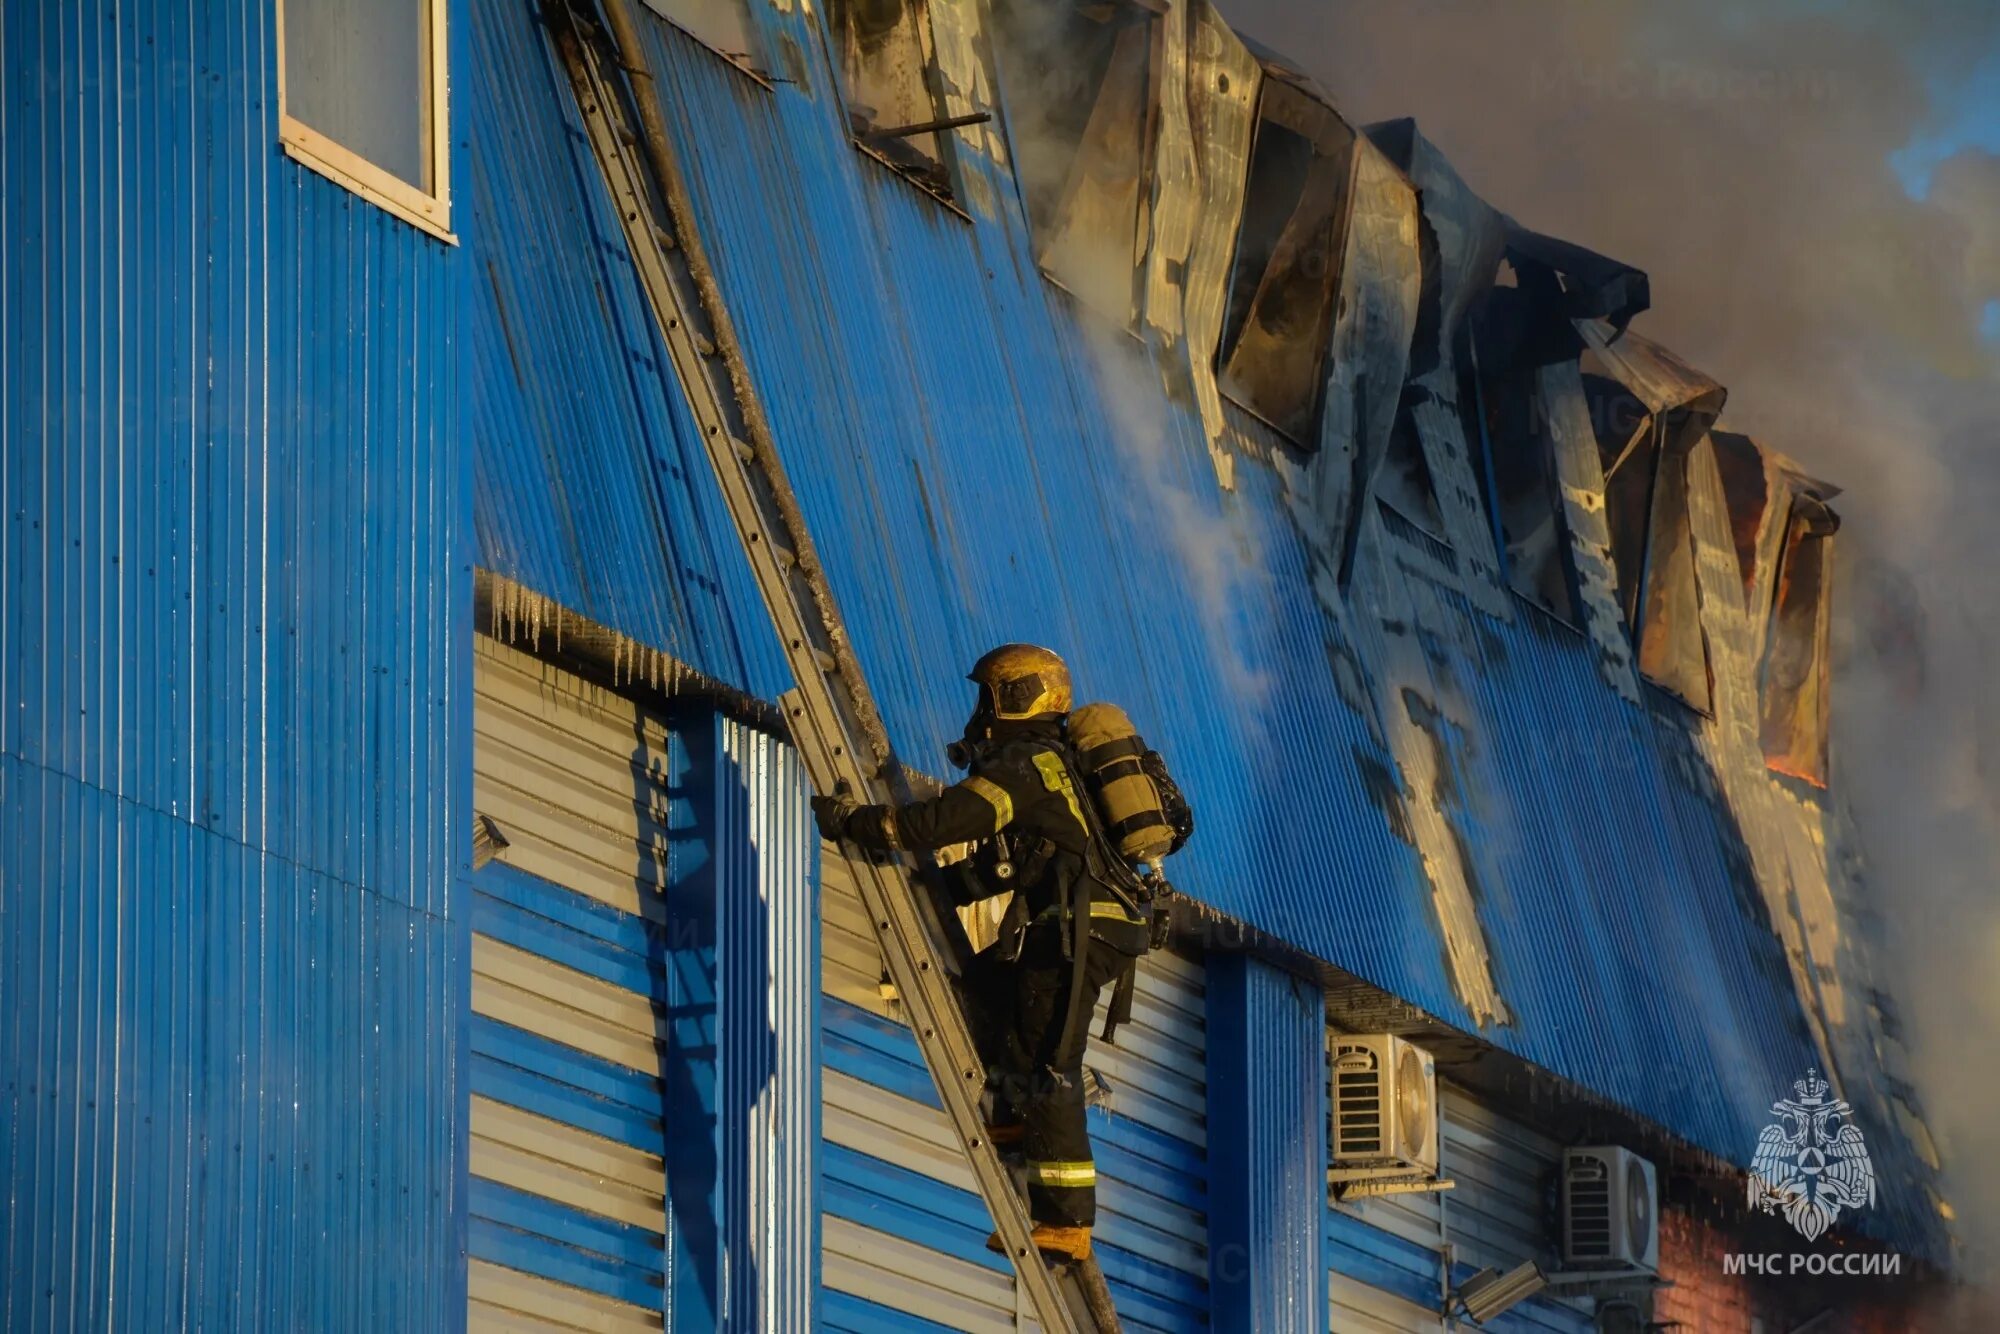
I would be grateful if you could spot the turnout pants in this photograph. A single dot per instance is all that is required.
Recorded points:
(1036, 1071)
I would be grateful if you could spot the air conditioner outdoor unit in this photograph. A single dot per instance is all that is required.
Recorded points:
(1385, 1109)
(1611, 1210)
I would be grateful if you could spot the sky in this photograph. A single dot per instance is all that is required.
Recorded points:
(1814, 188)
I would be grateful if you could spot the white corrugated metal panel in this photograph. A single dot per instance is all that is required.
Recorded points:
(1411, 1217)
(858, 1115)
(1503, 1212)
(1499, 1214)
(559, 1163)
(508, 1300)
(1157, 1063)
(850, 961)
(1356, 1308)
(767, 985)
(575, 775)
(1150, 1138)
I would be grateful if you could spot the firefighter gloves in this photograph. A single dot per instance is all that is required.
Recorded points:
(832, 815)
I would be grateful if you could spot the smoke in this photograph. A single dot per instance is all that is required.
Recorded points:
(1221, 573)
(1812, 186)
(1076, 84)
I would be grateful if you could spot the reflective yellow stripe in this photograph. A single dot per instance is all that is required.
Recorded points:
(1063, 1174)
(996, 797)
(1105, 908)
(1055, 777)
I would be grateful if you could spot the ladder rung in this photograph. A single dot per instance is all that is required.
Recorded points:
(827, 662)
(666, 239)
(703, 345)
(744, 450)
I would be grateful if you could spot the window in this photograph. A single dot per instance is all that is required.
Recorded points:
(1506, 344)
(1629, 451)
(1287, 268)
(1747, 492)
(1645, 458)
(1403, 482)
(882, 52)
(1673, 646)
(361, 100)
(1081, 117)
(723, 26)
(1796, 693)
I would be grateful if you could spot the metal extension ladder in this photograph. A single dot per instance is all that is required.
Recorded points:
(831, 714)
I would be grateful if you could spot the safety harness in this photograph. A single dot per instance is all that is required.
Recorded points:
(1130, 902)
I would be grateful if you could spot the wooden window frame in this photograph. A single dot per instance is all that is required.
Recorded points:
(427, 210)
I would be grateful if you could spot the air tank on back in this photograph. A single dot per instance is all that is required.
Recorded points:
(1111, 755)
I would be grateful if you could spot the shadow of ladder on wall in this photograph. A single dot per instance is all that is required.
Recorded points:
(831, 714)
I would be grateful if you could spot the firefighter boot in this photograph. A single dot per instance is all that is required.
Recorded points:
(1056, 1243)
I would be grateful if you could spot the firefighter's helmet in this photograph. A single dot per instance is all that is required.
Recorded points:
(1022, 681)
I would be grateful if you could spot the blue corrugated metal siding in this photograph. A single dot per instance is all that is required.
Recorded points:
(592, 487)
(1379, 1259)
(230, 657)
(968, 489)
(971, 490)
(230, 483)
(529, 1066)
(214, 1061)
(1268, 1122)
(645, 1020)
(969, 478)
(1609, 890)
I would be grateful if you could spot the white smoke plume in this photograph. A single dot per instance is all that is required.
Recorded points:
(1221, 572)
(1057, 100)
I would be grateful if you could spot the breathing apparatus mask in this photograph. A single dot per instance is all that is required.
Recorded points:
(978, 733)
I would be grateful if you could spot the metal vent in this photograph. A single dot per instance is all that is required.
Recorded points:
(1415, 1117)
(1589, 1209)
(1357, 1103)
(1638, 1208)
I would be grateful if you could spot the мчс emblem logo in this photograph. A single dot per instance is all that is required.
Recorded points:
(1813, 1163)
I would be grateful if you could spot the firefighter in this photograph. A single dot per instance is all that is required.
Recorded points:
(1068, 931)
